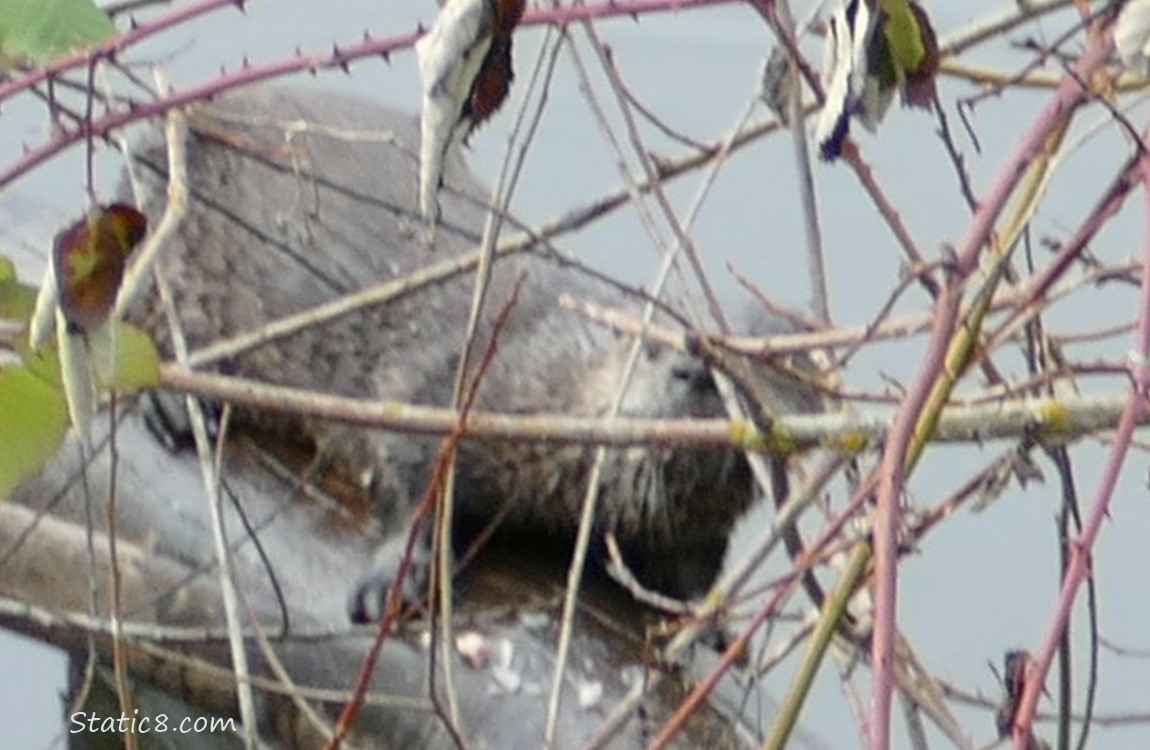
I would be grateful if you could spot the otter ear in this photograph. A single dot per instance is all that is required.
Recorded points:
(756, 320)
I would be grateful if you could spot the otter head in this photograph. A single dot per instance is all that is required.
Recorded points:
(671, 508)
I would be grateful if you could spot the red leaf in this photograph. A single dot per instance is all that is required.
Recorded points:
(89, 259)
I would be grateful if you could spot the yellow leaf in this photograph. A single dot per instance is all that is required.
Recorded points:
(903, 35)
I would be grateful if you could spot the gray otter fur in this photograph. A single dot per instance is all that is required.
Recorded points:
(299, 197)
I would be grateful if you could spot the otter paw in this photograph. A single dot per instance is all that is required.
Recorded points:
(368, 599)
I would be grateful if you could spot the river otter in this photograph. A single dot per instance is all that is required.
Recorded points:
(300, 197)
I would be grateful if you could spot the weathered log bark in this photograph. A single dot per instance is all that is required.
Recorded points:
(173, 621)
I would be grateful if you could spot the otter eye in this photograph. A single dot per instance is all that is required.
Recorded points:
(684, 373)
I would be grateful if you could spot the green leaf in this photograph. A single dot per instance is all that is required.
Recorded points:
(40, 31)
(7, 269)
(33, 420)
(16, 299)
(44, 364)
(137, 361)
(903, 35)
(33, 410)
